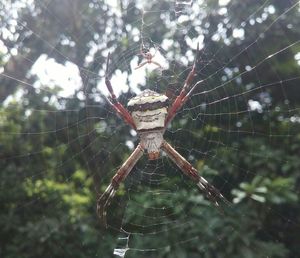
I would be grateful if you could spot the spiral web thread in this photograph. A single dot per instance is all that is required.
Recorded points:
(148, 176)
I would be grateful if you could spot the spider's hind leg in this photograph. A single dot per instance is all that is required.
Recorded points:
(104, 200)
(211, 193)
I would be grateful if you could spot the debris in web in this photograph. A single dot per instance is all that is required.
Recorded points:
(182, 6)
(120, 251)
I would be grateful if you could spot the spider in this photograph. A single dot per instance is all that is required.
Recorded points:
(145, 52)
(149, 113)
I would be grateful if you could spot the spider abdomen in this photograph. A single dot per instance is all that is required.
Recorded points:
(152, 141)
(148, 110)
(150, 119)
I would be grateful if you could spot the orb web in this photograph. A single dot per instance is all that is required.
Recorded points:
(239, 128)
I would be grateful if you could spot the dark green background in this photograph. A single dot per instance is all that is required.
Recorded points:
(55, 159)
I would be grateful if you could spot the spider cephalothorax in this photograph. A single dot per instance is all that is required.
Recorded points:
(145, 52)
(149, 114)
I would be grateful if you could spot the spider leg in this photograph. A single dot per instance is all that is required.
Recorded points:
(147, 62)
(148, 56)
(212, 193)
(113, 101)
(185, 92)
(104, 200)
(141, 65)
(156, 63)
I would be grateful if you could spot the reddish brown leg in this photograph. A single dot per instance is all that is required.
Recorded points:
(104, 200)
(149, 61)
(184, 94)
(116, 105)
(209, 190)
(141, 65)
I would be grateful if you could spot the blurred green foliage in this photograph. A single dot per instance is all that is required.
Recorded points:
(57, 156)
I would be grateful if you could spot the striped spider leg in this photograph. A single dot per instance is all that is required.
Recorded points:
(104, 200)
(186, 91)
(212, 193)
(149, 114)
(113, 101)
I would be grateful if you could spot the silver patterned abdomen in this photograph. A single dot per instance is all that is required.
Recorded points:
(149, 111)
(149, 119)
